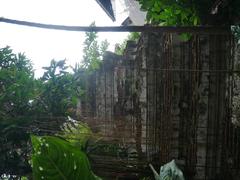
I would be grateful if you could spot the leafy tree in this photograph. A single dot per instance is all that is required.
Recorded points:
(93, 52)
(22, 96)
(170, 12)
(16, 83)
(16, 92)
(191, 12)
(58, 95)
(55, 70)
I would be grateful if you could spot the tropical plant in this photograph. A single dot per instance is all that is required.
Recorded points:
(14, 147)
(169, 171)
(76, 132)
(17, 89)
(171, 12)
(16, 83)
(191, 12)
(56, 159)
(81, 136)
(80, 75)
(92, 51)
(58, 93)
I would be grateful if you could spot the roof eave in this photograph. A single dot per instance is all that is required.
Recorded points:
(112, 17)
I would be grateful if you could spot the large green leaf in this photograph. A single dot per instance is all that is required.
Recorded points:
(56, 159)
(168, 171)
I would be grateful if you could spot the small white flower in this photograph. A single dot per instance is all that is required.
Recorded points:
(47, 145)
(40, 168)
(65, 155)
(39, 152)
(42, 177)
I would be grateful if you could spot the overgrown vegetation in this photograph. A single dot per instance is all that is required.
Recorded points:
(16, 84)
(119, 48)
(17, 89)
(57, 92)
(168, 171)
(56, 159)
(172, 13)
(191, 12)
(76, 132)
(93, 52)
(236, 32)
(23, 98)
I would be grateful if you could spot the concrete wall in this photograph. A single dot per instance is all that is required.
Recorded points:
(168, 98)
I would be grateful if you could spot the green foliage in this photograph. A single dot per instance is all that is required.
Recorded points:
(16, 83)
(24, 178)
(170, 12)
(22, 96)
(80, 135)
(93, 52)
(119, 48)
(55, 70)
(9, 60)
(76, 132)
(17, 89)
(14, 146)
(236, 33)
(133, 36)
(79, 78)
(54, 158)
(191, 12)
(57, 91)
(169, 171)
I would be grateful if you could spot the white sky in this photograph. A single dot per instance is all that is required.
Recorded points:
(42, 45)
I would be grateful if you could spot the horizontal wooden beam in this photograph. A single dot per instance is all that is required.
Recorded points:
(146, 28)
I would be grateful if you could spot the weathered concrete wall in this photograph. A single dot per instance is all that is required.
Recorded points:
(113, 96)
(186, 100)
(170, 99)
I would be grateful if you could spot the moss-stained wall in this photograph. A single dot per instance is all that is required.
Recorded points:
(169, 99)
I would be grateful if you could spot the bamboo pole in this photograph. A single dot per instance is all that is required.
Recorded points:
(146, 28)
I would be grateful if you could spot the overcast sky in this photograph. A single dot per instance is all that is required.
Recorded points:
(41, 45)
